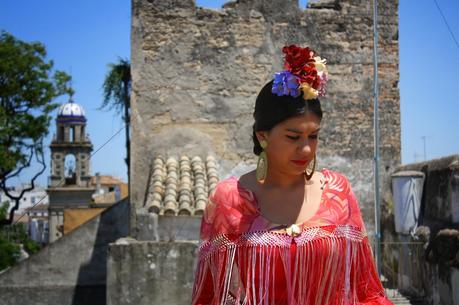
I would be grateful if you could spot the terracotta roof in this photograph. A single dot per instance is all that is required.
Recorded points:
(23, 219)
(181, 187)
(106, 180)
(38, 207)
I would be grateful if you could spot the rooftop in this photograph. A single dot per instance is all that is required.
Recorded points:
(106, 180)
(181, 186)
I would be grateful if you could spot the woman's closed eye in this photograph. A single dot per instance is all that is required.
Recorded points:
(297, 137)
(293, 137)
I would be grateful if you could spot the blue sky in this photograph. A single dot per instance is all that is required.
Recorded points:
(83, 36)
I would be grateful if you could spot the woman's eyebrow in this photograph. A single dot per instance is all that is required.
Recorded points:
(297, 131)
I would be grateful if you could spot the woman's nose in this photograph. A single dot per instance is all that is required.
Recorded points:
(305, 147)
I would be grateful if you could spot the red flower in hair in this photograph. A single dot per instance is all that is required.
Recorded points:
(301, 62)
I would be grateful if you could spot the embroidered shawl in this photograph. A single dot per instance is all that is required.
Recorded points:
(242, 261)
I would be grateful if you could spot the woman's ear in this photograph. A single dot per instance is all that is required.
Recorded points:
(261, 135)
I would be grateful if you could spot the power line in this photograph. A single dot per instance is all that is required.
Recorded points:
(446, 22)
(425, 154)
(106, 142)
(41, 199)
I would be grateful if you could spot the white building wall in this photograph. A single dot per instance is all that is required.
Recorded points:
(30, 198)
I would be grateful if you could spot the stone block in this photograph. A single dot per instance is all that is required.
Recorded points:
(150, 272)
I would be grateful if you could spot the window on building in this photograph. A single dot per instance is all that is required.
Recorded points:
(72, 134)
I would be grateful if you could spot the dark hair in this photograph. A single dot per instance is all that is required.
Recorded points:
(271, 109)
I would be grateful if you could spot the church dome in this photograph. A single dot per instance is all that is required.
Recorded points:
(71, 109)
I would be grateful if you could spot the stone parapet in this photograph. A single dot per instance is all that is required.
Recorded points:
(145, 273)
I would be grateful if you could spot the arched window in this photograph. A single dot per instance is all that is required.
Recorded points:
(61, 134)
(72, 134)
(70, 169)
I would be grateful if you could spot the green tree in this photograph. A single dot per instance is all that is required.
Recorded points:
(27, 90)
(11, 237)
(9, 252)
(117, 95)
(4, 209)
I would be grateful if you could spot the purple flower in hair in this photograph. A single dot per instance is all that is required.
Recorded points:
(285, 83)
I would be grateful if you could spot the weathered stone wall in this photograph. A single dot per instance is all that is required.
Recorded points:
(154, 227)
(440, 204)
(426, 265)
(145, 273)
(196, 73)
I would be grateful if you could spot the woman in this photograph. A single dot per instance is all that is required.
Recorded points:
(286, 234)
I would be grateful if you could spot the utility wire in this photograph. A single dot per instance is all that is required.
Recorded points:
(41, 199)
(446, 22)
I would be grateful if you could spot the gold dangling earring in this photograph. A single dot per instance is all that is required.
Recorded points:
(309, 176)
(262, 164)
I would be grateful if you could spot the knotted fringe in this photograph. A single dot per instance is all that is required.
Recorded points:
(324, 265)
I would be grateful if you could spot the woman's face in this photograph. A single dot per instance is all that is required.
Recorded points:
(295, 139)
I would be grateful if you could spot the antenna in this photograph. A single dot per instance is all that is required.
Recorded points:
(416, 155)
(425, 155)
(71, 91)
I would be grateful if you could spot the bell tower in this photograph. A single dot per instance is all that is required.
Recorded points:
(71, 148)
(69, 183)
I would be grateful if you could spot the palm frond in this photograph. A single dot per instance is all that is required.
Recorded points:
(117, 86)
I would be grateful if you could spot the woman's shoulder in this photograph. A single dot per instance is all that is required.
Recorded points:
(344, 195)
(225, 185)
(225, 190)
(231, 188)
(338, 188)
(227, 210)
(336, 180)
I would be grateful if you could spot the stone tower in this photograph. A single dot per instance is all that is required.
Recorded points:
(70, 139)
(196, 73)
(69, 182)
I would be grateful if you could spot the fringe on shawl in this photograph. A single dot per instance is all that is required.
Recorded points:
(265, 268)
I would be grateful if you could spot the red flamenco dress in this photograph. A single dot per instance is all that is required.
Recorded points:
(241, 260)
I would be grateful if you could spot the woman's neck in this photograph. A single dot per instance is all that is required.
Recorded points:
(281, 181)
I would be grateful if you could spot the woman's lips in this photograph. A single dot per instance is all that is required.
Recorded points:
(299, 162)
